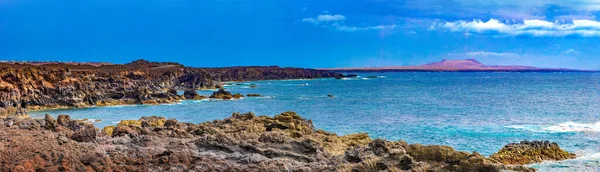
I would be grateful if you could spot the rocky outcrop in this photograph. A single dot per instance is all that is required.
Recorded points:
(527, 152)
(253, 95)
(225, 95)
(243, 142)
(192, 95)
(38, 86)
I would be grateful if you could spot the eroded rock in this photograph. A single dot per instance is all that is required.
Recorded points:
(527, 152)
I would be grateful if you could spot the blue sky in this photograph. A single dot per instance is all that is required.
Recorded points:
(303, 33)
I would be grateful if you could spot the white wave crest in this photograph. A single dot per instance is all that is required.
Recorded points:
(574, 127)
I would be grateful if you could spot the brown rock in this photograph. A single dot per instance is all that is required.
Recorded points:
(124, 130)
(87, 134)
(63, 120)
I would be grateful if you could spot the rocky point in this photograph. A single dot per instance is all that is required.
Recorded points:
(243, 142)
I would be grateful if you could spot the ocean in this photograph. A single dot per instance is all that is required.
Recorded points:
(469, 111)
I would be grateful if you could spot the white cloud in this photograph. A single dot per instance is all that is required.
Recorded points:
(536, 27)
(484, 54)
(353, 28)
(337, 21)
(324, 18)
(572, 51)
(491, 54)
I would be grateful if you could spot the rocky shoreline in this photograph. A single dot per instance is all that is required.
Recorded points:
(243, 142)
(30, 86)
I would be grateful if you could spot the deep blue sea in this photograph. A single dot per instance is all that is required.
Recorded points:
(468, 111)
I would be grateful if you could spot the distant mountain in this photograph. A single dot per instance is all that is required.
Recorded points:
(457, 66)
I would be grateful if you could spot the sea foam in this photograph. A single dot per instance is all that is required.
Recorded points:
(560, 128)
(574, 127)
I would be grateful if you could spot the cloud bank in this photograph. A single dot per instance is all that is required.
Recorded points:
(535, 27)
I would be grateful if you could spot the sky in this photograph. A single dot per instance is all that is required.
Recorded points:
(303, 33)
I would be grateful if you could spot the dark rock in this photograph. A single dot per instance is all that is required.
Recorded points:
(171, 123)
(192, 95)
(254, 95)
(225, 95)
(39, 86)
(330, 96)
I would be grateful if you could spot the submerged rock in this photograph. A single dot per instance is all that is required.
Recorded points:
(254, 95)
(371, 77)
(330, 95)
(527, 152)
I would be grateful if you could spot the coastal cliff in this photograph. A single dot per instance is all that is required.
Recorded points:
(36, 86)
(243, 142)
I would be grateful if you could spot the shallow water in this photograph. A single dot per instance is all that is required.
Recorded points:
(468, 111)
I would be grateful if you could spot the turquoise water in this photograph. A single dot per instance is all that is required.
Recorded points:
(468, 111)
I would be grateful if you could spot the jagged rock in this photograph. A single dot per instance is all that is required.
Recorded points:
(192, 95)
(243, 142)
(527, 152)
(225, 95)
(87, 134)
(49, 85)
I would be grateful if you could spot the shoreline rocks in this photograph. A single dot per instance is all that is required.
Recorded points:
(242, 142)
(253, 95)
(41, 86)
(527, 152)
(346, 76)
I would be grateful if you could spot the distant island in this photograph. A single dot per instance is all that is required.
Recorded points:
(467, 65)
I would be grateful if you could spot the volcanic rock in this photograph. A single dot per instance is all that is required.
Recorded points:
(243, 142)
(192, 95)
(527, 152)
